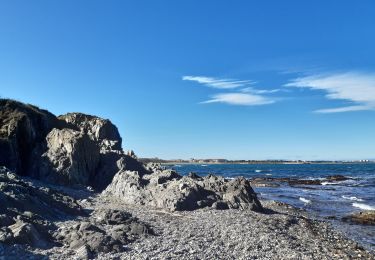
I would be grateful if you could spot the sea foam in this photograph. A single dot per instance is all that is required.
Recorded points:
(306, 201)
(351, 198)
(363, 206)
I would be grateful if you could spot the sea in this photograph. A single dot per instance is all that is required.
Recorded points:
(330, 201)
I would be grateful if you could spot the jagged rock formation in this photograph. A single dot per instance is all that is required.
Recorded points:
(70, 149)
(79, 149)
(167, 189)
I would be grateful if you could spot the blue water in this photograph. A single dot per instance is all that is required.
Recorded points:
(323, 201)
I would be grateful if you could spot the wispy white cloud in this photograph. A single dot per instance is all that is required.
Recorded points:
(357, 88)
(259, 91)
(218, 83)
(243, 99)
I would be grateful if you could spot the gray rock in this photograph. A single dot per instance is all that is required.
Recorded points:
(98, 129)
(72, 149)
(71, 158)
(27, 211)
(106, 231)
(167, 189)
(26, 233)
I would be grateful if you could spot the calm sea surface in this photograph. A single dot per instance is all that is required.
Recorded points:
(322, 201)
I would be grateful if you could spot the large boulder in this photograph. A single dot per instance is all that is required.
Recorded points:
(168, 190)
(71, 158)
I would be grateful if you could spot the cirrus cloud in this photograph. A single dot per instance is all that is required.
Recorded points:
(218, 83)
(240, 92)
(357, 88)
(243, 99)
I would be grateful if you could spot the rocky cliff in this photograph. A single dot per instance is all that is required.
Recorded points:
(70, 149)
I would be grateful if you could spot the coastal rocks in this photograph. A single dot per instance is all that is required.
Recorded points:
(27, 211)
(72, 149)
(38, 216)
(168, 190)
(22, 128)
(364, 218)
(87, 153)
(98, 129)
(106, 231)
(71, 158)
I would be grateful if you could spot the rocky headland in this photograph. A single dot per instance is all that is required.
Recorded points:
(69, 191)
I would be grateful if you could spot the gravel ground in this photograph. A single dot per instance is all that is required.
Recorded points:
(283, 233)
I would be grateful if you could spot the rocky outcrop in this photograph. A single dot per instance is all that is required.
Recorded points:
(72, 149)
(102, 131)
(168, 190)
(71, 158)
(364, 218)
(22, 129)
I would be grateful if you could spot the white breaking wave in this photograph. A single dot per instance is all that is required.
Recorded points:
(331, 183)
(177, 165)
(351, 198)
(363, 206)
(203, 165)
(306, 201)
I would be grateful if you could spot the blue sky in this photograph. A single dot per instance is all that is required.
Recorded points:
(218, 79)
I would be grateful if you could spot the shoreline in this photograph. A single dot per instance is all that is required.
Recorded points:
(285, 232)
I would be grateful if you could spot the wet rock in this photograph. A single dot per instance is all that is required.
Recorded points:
(337, 178)
(166, 189)
(364, 218)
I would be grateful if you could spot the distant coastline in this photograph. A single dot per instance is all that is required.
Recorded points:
(225, 161)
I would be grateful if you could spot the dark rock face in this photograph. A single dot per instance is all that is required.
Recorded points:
(72, 149)
(167, 189)
(22, 129)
